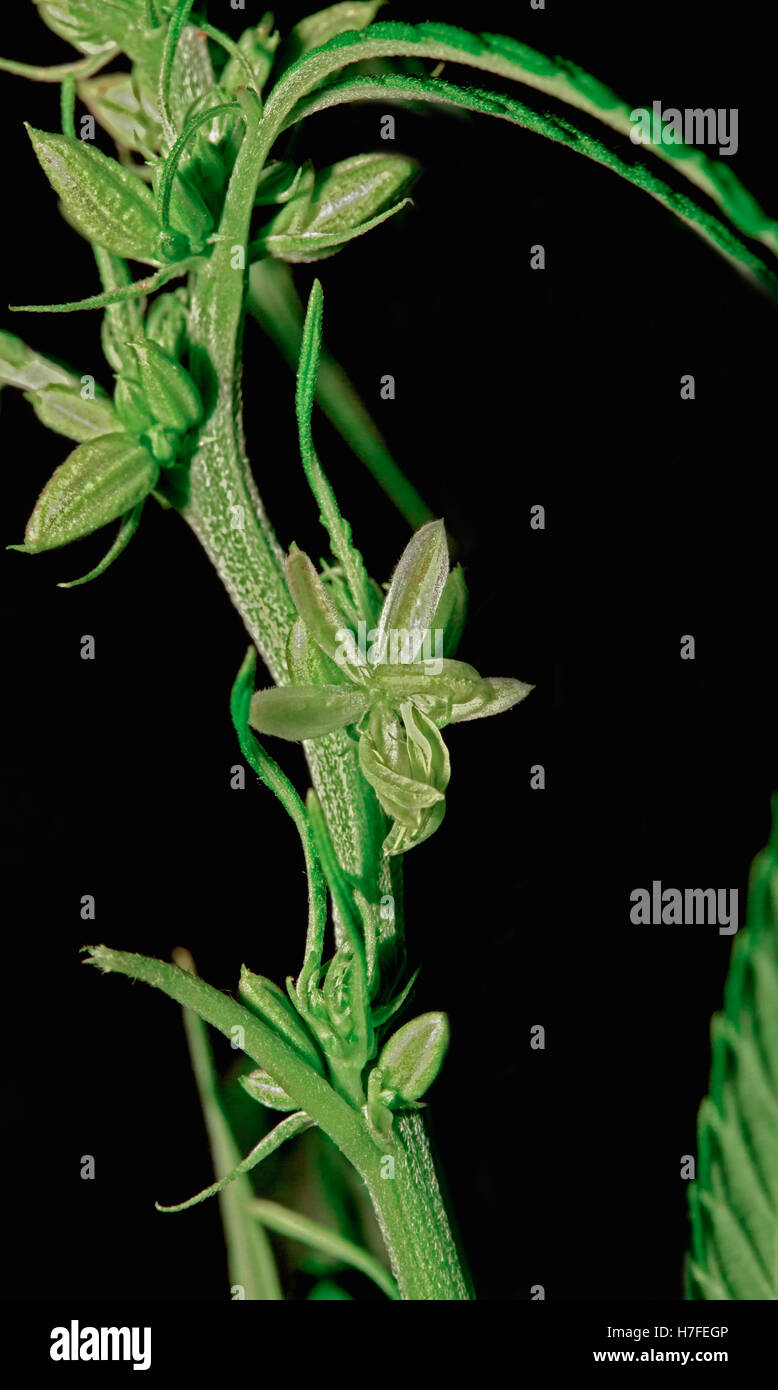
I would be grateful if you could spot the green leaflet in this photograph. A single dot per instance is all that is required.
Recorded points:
(100, 481)
(260, 1085)
(319, 28)
(326, 625)
(67, 412)
(338, 529)
(252, 58)
(125, 534)
(287, 1129)
(78, 21)
(346, 200)
(734, 1202)
(302, 1228)
(167, 323)
(105, 202)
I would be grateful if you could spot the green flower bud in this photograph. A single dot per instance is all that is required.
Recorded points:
(189, 215)
(164, 444)
(260, 1086)
(272, 1005)
(417, 586)
(100, 481)
(413, 1056)
(167, 323)
(76, 21)
(297, 712)
(131, 407)
(170, 392)
(345, 200)
(104, 202)
(124, 107)
(63, 409)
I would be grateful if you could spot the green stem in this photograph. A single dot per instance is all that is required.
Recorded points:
(248, 559)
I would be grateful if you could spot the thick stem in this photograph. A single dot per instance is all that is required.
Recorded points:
(225, 512)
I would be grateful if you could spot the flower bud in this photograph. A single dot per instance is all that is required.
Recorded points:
(272, 1005)
(64, 409)
(105, 202)
(170, 393)
(100, 481)
(260, 1086)
(131, 407)
(413, 1056)
(343, 199)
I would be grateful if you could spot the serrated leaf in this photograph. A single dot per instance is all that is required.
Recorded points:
(734, 1201)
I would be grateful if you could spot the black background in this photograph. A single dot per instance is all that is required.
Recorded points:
(513, 388)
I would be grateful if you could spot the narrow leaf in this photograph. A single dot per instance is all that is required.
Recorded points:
(125, 534)
(298, 1227)
(287, 1129)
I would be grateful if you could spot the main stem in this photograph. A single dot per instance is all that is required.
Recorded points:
(225, 512)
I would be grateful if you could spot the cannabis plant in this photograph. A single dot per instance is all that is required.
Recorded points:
(194, 221)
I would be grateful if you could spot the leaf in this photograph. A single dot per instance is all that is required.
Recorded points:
(319, 28)
(398, 87)
(250, 1256)
(298, 712)
(98, 482)
(502, 693)
(298, 1227)
(734, 1201)
(123, 107)
(118, 295)
(104, 201)
(65, 410)
(76, 21)
(274, 302)
(123, 320)
(451, 612)
(125, 534)
(416, 587)
(261, 1087)
(555, 77)
(287, 1129)
(338, 529)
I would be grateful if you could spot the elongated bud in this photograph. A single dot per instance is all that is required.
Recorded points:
(272, 1005)
(299, 712)
(76, 21)
(417, 586)
(125, 108)
(104, 201)
(100, 481)
(326, 625)
(413, 1056)
(343, 199)
(167, 323)
(170, 392)
(260, 1086)
(64, 410)
(131, 406)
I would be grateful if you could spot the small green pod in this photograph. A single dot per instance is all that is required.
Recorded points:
(167, 323)
(272, 1005)
(344, 198)
(100, 481)
(104, 202)
(131, 407)
(169, 390)
(413, 1056)
(260, 1086)
(65, 411)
